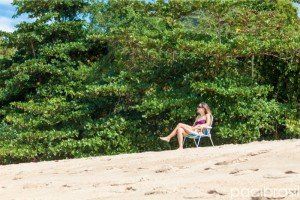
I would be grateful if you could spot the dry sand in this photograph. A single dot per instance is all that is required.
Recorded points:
(258, 170)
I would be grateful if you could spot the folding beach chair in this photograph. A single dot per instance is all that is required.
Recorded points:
(197, 136)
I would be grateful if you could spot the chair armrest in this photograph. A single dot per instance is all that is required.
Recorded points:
(208, 127)
(206, 130)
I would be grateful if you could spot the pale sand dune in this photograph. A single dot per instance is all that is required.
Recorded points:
(258, 170)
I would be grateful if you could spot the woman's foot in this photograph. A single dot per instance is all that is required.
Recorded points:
(180, 148)
(166, 139)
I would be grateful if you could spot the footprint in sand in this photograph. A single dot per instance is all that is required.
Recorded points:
(164, 169)
(290, 172)
(34, 186)
(120, 184)
(140, 168)
(243, 158)
(109, 168)
(130, 188)
(226, 162)
(258, 152)
(243, 171)
(66, 186)
(260, 198)
(143, 179)
(271, 176)
(199, 197)
(17, 178)
(156, 192)
(96, 185)
(215, 192)
(81, 171)
(182, 167)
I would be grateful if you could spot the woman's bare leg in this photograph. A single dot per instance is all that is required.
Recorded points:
(187, 128)
(180, 132)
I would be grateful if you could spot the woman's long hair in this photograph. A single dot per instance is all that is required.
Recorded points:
(206, 107)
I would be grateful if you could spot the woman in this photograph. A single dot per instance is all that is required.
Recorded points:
(202, 120)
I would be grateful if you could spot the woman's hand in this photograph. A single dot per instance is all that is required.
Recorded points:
(198, 128)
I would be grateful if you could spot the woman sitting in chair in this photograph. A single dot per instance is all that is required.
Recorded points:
(203, 120)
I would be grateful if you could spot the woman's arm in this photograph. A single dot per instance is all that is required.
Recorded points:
(207, 124)
(208, 121)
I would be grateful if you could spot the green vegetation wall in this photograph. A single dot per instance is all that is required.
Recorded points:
(90, 78)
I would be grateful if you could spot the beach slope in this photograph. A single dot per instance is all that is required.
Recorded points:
(258, 170)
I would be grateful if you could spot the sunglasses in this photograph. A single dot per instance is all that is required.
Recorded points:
(200, 107)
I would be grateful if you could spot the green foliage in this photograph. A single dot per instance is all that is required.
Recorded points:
(72, 87)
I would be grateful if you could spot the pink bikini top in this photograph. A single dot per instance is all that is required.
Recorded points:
(201, 121)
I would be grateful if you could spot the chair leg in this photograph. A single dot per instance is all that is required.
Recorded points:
(195, 142)
(183, 141)
(211, 141)
(198, 141)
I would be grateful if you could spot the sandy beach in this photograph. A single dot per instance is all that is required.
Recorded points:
(258, 170)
